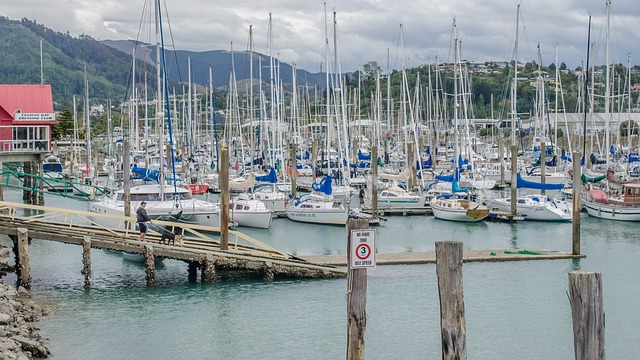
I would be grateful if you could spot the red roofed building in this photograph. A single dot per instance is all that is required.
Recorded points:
(26, 117)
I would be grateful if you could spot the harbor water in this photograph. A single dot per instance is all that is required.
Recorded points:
(513, 310)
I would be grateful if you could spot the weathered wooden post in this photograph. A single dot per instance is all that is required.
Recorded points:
(452, 322)
(356, 297)
(501, 159)
(314, 159)
(577, 206)
(543, 165)
(514, 181)
(374, 182)
(223, 181)
(193, 271)
(40, 181)
(86, 260)
(26, 181)
(2, 179)
(126, 164)
(22, 265)
(294, 168)
(150, 264)
(585, 296)
(269, 272)
(412, 166)
(208, 269)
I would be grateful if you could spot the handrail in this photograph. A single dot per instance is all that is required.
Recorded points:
(73, 217)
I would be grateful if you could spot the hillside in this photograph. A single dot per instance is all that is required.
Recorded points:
(220, 62)
(64, 57)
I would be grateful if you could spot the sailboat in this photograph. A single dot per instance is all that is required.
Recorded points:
(538, 207)
(458, 207)
(319, 207)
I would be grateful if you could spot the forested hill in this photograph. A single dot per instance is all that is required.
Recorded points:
(64, 57)
(109, 63)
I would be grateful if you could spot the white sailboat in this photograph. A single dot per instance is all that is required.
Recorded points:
(318, 208)
(168, 203)
(535, 207)
(454, 208)
(250, 212)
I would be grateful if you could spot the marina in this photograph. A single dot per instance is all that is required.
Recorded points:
(240, 220)
(506, 302)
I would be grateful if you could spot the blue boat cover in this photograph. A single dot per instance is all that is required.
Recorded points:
(521, 183)
(324, 186)
(271, 177)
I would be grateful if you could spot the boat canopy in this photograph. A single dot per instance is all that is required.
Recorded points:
(521, 183)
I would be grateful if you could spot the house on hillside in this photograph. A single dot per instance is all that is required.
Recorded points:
(26, 117)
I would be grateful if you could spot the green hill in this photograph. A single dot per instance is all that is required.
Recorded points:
(63, 57)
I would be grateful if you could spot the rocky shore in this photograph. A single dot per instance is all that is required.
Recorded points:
(19, 338)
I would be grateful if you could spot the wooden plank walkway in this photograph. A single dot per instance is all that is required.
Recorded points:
(405, 258)
(201, 244)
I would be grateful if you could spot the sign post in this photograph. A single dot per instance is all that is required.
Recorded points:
(363, 249)
(360, 256)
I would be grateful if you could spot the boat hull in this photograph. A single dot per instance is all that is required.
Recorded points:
(254, 219)
(538, 212)
(337, 217)
(611, 212)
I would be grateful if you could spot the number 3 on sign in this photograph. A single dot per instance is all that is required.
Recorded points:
(363, 249)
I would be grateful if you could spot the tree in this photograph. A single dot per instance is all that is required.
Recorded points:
(563, 66)
(370, 70)
(65, 123)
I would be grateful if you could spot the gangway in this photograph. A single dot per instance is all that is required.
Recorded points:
(201, 247)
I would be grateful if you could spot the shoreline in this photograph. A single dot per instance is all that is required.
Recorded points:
(19, 337)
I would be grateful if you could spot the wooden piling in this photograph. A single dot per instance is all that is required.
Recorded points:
(314, 159)
(374, 182)
(543, 165)
(585, 296)
(150, 264)
(269, 273)
(40, 165)
(412, 166)
(26, 193)
(501, 159)
(208, 269)
(126, 163)
(294, 168)
(223, 181)
(86, 260)
(22, 265)
(356, 299)
(577, 206)
(2, 180)
(514, 181)
(452, 321)
(193, 271)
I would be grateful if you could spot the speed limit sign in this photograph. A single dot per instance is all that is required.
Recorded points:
(363, 249)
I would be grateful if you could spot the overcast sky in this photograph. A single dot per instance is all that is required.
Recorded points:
(367, 30)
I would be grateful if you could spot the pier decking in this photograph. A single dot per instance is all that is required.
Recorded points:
(405, 258)
(200, 248)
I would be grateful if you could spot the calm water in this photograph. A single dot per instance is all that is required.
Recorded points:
(517, 310)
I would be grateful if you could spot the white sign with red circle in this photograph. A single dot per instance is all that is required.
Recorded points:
(363, 249)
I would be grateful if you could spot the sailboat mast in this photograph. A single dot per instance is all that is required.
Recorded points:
(87, 120)
(607, 94)
(514, 91)
(159, 113)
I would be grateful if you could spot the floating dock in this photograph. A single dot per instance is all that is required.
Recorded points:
(407, 258)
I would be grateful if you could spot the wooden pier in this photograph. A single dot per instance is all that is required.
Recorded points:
(200, 247)
(407, 258)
